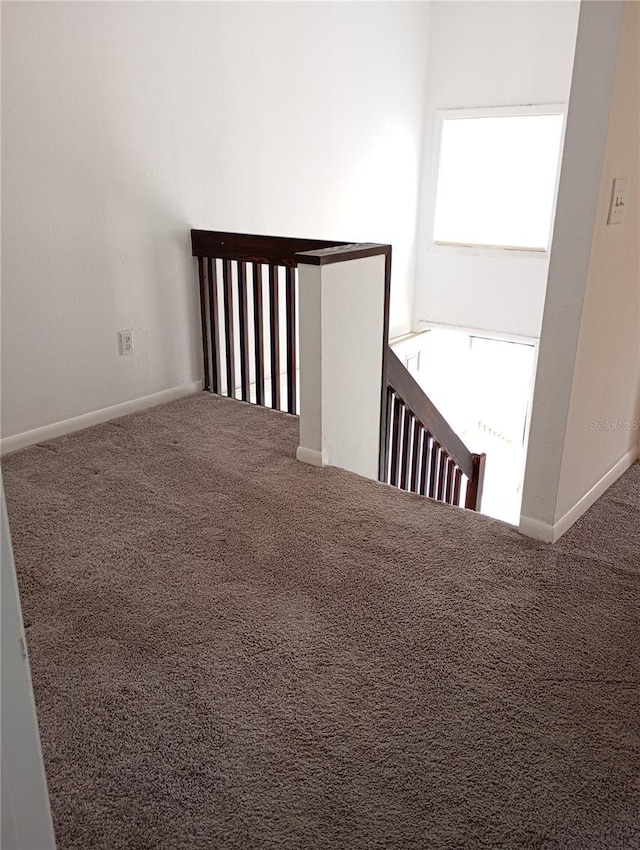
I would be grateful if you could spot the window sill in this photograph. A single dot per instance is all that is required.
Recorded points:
(487, 250)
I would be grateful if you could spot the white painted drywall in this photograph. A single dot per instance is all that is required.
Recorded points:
(585, 278)
(26, 816)
(126, 124)
(481, 55)
(602, 425)
(341, 346)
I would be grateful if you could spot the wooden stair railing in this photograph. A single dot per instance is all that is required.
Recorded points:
(419, 451)
(245, 280)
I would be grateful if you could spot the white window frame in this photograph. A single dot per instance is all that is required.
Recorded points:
(489, 112)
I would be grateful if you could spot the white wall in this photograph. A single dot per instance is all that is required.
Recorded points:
(602, 421)
(589, 360)
(489, 54)
(126, 124)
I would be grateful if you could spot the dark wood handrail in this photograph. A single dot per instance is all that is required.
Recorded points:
(343, 252)
(251, 248)
(405, 385)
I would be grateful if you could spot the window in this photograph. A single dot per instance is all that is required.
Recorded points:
(497, 177)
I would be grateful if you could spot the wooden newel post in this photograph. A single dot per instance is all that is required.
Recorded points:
(343, 295)
(476, 482)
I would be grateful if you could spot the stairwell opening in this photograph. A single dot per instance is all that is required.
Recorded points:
(483, 386)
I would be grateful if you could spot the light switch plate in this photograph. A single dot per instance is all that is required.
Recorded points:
(618, 201)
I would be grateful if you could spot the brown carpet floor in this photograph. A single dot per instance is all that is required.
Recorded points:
(233, 650)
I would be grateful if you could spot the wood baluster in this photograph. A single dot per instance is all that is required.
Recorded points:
(417, 456)
(274, 330)
(433, 469)
(385, 473)
(243, 313)
(457, 487)
(449, 491)
(205, 326)
(212, 280)
(398, 408)
(427, 447)
(292, 357)
(258, 332)
(406, 446)
(230, 344)
(442, 468)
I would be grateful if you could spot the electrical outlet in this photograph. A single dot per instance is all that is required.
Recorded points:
(412, 362)
(125, 342)
(618, 201)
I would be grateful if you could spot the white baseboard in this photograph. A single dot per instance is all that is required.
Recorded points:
(312, 456)
(77, 423)
(551, 533)
(535, 528)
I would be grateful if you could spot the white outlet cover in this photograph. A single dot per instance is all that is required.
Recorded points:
(618, 201)
(125, 342)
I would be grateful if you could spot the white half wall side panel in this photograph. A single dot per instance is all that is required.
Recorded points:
(26, 814)
(353, 298)
(342, 307)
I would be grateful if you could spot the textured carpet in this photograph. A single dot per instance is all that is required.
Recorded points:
(233, 650)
